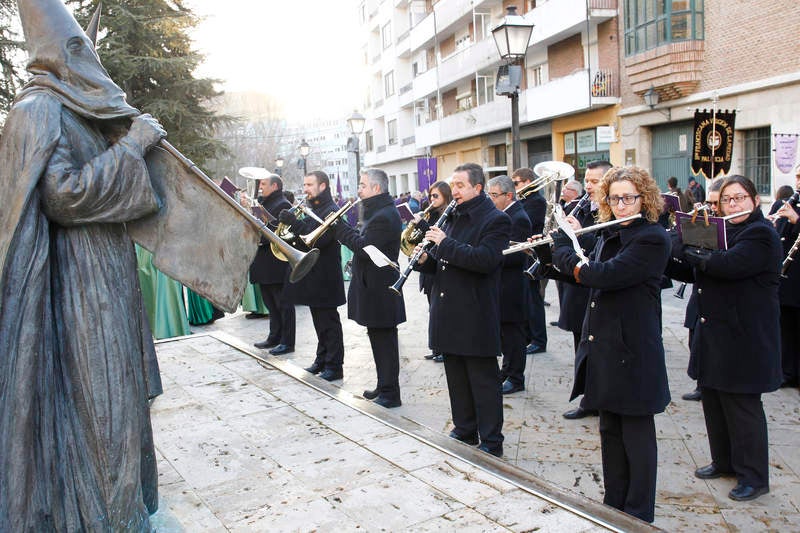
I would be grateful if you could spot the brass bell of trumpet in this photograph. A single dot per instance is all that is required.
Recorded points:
(548, 172)
(284, 233)
(329, 221)
(412, 235)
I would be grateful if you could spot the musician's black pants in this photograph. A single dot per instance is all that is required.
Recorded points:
(537, 324)
(737, 435)
(387, 361)
(281, 315)
(790, 343)
(476, 400)
(330, 344)
(630, 458)
(512, 341)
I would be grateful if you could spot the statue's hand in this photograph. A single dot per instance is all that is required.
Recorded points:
(144, 133)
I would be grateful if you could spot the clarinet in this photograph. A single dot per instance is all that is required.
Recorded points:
(581, 204)
(425, 246)
(792, 201)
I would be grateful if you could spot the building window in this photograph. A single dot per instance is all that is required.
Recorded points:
(465, 102)
(537, 75)
(391, 131)
(485, 89)
(581, 147)
(386, 35)
(369, 142)
(757, 158)
(651, 23)
(388, 83)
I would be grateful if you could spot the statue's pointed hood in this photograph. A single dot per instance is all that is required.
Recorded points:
(63, 60)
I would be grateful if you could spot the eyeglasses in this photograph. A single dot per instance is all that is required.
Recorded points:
(712, 204)
(434, 195)
(628, 199)
(737, 198)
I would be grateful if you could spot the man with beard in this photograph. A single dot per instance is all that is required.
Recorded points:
(322, 289)
(270, 273)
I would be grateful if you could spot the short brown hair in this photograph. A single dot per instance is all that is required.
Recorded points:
(652, 203)
(525, 173)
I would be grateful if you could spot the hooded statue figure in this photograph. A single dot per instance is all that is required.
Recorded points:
(76, 356)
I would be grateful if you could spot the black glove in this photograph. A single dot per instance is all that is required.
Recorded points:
(560, 238)
(287, 217)
(544, 253)
(697, 257)
(565, 259)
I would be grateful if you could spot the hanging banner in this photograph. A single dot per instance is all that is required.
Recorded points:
(713, 142)
(785, 151)
(426, 172)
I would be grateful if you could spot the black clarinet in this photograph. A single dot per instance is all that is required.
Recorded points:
(425, 246)
(533, 271)
(580, 205)
(792, 201)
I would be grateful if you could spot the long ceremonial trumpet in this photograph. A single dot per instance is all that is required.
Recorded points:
(522, 246)
(300, 262)
(329, 221)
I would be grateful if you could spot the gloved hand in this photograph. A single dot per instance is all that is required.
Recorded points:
(144, 133)
(560, 238)
(696, 257)
(544, 254)
(565, 259)
(287, 217)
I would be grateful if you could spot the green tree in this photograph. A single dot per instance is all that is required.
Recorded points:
(11, 55)
(145, 47)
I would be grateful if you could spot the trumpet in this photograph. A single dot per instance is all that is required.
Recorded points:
(523, 246)
(412, 235)
(285, 233)
(329, 221)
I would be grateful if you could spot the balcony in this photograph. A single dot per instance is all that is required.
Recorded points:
(464, 63)
(555, 21)
(570, 94)
(425, 84)
(393, 152)
(406, 95)
(452, 12)
(403, 46)
(479, 120)
(422, 34)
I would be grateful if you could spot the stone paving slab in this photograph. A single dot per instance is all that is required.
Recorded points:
(538, 439)
(244, 446)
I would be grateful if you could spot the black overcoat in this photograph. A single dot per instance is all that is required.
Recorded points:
(369, 300)
(425, 279)
(575, 298)
(789, 285)
(323, 286)
(736, 341)
(465, 297)
(536, 208)
(515, 286)
(620, 359)
(266, 268)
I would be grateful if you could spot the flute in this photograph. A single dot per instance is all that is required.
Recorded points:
(522, 246)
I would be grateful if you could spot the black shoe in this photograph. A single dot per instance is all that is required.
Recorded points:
(265, 345)
(439, 358)
(579, 412)
(251, 316)
(430, 356)
(497, 451)
(555, 323)
(385, 401)
(535, 348)
(693, 396)
(472, 441)
(511, 388)
(370, 394)
(744, 493)
(282, 349)
(315, 368)
(331, 375)
(711, 472)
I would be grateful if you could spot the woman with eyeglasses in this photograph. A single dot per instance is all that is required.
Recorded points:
(439, 196)
(736, 342)
(620, 366)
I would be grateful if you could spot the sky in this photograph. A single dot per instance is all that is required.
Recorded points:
(306, 54)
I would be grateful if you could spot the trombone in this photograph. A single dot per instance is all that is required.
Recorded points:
(310, 238)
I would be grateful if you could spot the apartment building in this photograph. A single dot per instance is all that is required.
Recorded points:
(327, 141)
(589, 63)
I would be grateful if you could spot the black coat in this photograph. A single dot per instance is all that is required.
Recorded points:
(266, 268)
(425, 279)
(620, 359)
(465, 297)
(515, 286)
(736, 341)
(369, 300)
(789, 285)
(323, 286)
(575, 298)
(536, 208)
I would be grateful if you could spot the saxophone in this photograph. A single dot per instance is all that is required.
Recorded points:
(412, 235)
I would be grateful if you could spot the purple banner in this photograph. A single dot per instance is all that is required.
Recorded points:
(785, 151)
(426, 172)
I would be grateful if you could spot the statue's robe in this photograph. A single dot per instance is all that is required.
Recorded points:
(76, 449)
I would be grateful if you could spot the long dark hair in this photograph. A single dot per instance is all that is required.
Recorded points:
(444, 190)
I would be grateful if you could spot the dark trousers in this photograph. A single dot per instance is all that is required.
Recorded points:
(536, 324)
(330, 344)
(576, 340)
(512, 341)
(476, 400)
(790, 343)
(281, 315)
(737, 435)
(630, 459)
(387, 361)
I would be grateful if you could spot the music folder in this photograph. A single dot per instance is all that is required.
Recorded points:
(671, 202)
(229, 187)
(711, 236)
(262, 214)
(406, 215)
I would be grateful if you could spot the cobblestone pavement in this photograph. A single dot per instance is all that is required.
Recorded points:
(538, 439)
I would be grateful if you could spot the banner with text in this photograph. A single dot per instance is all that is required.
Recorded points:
(785, 151)
(713, 142)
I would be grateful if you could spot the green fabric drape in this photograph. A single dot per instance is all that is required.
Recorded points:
(163, 299)
(201, 311)
(252, 301)
(347, 254)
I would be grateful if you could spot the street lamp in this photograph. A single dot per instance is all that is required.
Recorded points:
(356, 122)
(512, 37)
(651, 100)
(305, 149)
(278, 165)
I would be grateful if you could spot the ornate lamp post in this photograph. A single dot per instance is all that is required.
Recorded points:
(279, 165)
(305, 149)
(356, 122)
